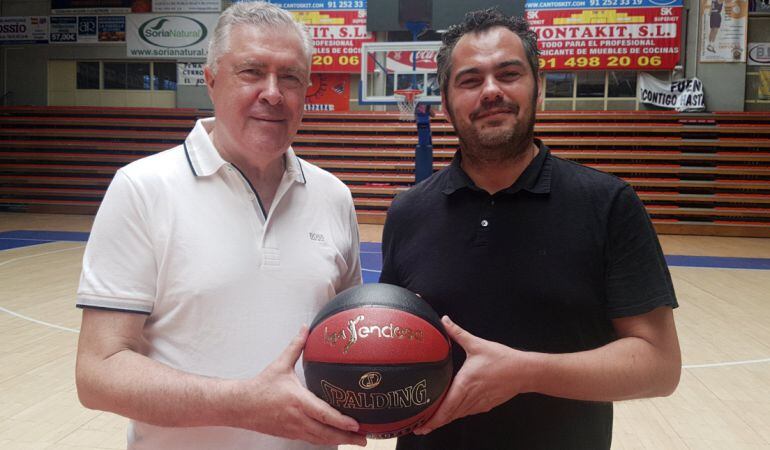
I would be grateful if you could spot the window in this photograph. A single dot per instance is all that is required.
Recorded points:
(118, 75)
(88, 75)
(590, 84)
(559, 84)
(164, 76)
(621, 84)
(114, 75)
(138, 76)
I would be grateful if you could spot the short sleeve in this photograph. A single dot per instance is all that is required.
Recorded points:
(353, 256)
(119, 265)
(638, 279)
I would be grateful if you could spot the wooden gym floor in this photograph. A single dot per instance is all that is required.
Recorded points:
(723, 400)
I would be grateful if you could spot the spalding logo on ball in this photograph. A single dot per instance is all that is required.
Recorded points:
(379, 354)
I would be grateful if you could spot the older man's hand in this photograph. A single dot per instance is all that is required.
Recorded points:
(282, 406)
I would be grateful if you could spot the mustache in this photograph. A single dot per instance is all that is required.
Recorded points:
(493, 108)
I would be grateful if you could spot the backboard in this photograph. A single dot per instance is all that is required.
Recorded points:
(390, 66)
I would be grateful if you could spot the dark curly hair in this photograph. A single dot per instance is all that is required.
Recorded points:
(477, 22)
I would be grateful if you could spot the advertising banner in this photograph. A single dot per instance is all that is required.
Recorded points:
(99, 6)
(190, 74)
(594, 4)
(63, 30)
(338, 28)
(422, 61)
(305, 5)
(337, 35)
(187, 5)
(724, 26)
(328, 92)
(608, 38)
(169, 36)
(87, 29)
(759, 54)
(681, 95)
(111, 28)
(24, 30)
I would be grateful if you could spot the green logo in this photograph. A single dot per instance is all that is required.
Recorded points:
(172, 31)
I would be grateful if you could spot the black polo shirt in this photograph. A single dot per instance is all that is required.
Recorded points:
(540, 266)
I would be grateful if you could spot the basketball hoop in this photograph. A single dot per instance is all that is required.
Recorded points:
(407, 100)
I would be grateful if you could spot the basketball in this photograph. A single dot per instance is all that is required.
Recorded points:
(379, 354)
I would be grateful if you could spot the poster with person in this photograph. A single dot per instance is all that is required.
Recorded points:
(724, 25)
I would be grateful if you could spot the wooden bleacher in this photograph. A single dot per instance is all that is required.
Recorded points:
(696, 173)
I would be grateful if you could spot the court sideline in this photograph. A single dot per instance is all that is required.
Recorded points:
(723, 401)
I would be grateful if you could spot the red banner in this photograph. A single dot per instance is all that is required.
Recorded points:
(608, 39)
(420, 61)
(337, 36)
(328, 92)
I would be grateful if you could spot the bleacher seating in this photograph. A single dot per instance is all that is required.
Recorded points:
(697, 173)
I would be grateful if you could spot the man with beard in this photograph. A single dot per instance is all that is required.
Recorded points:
(553, 270)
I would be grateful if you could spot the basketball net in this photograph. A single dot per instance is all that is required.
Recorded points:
(407, 100)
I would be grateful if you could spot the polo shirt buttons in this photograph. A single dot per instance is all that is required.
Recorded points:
(485, 223)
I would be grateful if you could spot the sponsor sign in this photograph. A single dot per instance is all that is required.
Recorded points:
(190, 74)
(63, 30)
(681, 95)
(87, 29)
(608, 38)
(169, 36)
(592, 4)
(328, 92)
(304, 5)
(759, 54)
(421, 61)
(724, 27)
(187, 6)
(338, 28)
(24, 30)
(337, 36)
(111, 28)
(99, 6)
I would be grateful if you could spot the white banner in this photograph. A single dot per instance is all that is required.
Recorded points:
(24, 30)
(759, 54)
(190, 74)
(681, 95)
(169, 36)
(724, 25)
(187, 6)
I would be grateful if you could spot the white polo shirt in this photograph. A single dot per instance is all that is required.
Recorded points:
(181, 236)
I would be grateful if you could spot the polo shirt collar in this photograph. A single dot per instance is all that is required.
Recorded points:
(205, 160)
(536, 178)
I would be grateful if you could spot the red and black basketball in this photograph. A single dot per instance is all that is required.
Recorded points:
(379, 354)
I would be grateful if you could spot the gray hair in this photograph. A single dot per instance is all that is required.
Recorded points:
(478, 22)
(258, 14)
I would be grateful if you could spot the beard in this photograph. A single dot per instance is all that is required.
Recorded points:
(499, 143)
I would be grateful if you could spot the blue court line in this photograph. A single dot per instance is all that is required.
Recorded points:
(371, 259)
(719, 262)
(25, 238)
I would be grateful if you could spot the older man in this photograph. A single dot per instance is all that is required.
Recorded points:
(552, 269)
(205, 261)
